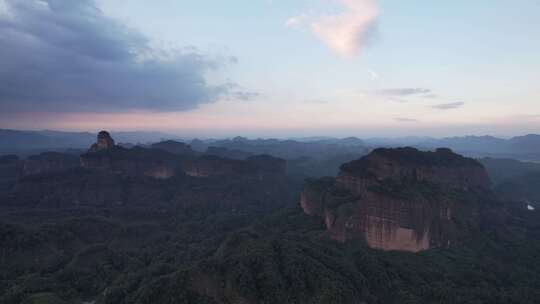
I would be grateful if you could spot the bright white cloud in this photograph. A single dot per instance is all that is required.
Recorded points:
(346, 32)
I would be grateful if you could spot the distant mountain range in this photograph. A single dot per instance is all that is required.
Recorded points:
(521, 147)
(29, 142)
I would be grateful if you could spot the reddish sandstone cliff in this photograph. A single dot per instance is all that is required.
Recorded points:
(397, 199)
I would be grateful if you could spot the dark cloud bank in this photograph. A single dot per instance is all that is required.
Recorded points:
(66, 55)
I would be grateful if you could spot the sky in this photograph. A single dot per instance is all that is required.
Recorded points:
(270, 68)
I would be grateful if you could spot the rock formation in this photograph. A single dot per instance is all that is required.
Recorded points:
(397, 199)
(165, 159)
(104, 142)
(138, 161)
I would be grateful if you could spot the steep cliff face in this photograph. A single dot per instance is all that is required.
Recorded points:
(398, 199)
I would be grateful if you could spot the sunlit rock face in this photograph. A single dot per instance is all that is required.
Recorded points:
(396, 199)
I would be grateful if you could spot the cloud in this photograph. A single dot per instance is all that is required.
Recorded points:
(296, 21)
(400, 92)
(63, 55)
(346, 32)
(373, 75)
(431, 96)
(448, 106)
(404, 119)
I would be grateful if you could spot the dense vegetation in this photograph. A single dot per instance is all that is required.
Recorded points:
(514, 180)
(94, 236)
(160, 255)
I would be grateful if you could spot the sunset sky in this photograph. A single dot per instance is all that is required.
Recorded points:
(266, 68)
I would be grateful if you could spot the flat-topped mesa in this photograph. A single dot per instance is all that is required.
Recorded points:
(398, 199)
(441, 167)
(104, 142)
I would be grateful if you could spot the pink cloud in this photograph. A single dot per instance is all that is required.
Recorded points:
(346, 32)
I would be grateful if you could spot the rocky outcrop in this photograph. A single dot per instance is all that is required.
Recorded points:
(138, 161)
(104, 142)
(397, 199)
(166, 159)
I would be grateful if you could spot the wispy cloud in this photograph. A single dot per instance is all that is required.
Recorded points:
(405, 119)
(431, 96)
(401, 92)
(346, 32)
(296, 20)
(448, 106)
